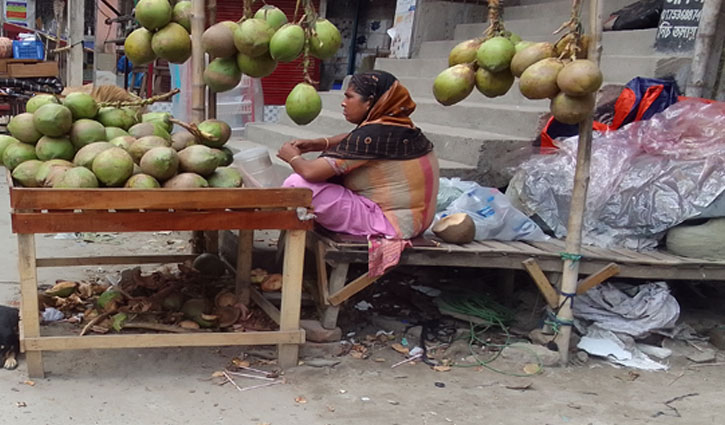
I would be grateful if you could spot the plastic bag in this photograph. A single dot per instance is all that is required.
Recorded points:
(449, 190)
(492, 213)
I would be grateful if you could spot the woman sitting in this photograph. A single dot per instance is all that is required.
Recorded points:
(379, 179)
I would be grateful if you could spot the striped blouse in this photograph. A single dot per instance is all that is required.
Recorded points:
(405, 190)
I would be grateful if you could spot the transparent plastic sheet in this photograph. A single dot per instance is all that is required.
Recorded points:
(645, 178)
(493, 214)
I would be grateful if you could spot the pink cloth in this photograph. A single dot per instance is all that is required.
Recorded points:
(341, 210)
(384, 254)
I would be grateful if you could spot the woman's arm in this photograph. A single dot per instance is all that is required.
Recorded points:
(318, 145)
(314, 170)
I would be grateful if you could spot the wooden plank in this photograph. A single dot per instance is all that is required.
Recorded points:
(338, 277)
(266, 306)
(134, 199)
(192, 339)
(595, 279)
(524, 247)
(294, 259)
(155, 221)
(352, 288)
(243, 269)
(29, 301)
(541, 282)
(501, 247)
(109, 260)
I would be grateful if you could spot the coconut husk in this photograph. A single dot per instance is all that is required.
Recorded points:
(105, 93)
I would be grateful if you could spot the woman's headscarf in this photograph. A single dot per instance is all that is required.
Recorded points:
(387, 132)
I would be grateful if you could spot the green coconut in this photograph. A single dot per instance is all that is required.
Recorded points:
(182, 139)
(539, 79)
(161, 118)
(138, 47)
(172, 43)
(258, 67)
(529, 56)
(76, 178)
(495, 54)
(226, 177)
(222, 74)
(85, 131)
(253, 36)
(145, 144)
(287, 43)
(513, 37)
(113, 132)
(186, 181)
(326, 39)
(303, 104)
(218, 40)
(41, 176)
(161, 163)
(115, 117)
(454, 84)
(494, 84)
(53, 120)
(464, 52)
(144, 129)
(49, 148)
(220, 131)
(6, 141)
(142, 181)
(123, 142)
(22, 127)
(17, 153)
(85, 155)
(25, 173)
(39, 100)
(153, 14)
(273, 15)
(181, 14)
(228, 157)
(580, 78)
(81, 105)
(198, 159)
(521, 45)
(133, 113)
(113, 166)
(570, 109)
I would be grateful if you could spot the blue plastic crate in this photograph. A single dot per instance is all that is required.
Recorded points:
(28, 49)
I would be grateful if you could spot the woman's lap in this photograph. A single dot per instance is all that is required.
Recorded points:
(341, 210)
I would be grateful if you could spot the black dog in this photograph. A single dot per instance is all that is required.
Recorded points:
(9, 340)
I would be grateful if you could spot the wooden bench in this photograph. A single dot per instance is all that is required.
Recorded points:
(338, 251)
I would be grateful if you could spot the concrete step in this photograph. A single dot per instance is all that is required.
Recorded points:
(273, 136)
(622, 68)
(616, 68)
(559, 10)
(639, 42)
(456, 144)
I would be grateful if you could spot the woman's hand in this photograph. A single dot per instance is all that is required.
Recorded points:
(288, 151)
(309, 145)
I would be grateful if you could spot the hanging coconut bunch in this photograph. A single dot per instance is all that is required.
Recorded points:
(491, 63)
(561, 72)
(164, 32)
(483, 63)
(311, 36)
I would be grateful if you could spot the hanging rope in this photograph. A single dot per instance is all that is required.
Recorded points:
(572, 40)
(307, 21)
(495, 20)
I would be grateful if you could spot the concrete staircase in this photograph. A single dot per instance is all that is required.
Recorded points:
(480, 138)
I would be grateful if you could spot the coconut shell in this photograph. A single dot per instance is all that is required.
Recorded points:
(464, 52)
(62, 289)
(454, 84)
(218, 41)
(572, 110)
(456, 228)
(529, 56)
(272, 283)
(539, 80)
(579, 78)
(493, 84)
(225, 299)
(227, 316)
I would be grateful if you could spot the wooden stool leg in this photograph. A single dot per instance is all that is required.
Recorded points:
(245, 244)
(294, 259)
(322, 281)
(338, 277)
(29, 296)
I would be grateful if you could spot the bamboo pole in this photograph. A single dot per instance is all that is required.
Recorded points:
(704, 53)
(198, 93)
(211, 96)
(570, 271)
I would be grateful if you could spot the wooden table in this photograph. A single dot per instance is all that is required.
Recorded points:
(41, 210)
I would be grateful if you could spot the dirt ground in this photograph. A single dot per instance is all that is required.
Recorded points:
(175, 386)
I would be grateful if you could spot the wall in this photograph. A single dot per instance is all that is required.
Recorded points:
(437, 20)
